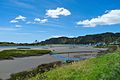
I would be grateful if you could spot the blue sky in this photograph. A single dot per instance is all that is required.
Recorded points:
(29, 20)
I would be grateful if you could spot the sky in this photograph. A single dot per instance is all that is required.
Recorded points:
(24, 21)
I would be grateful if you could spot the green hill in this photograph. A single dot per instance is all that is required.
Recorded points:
(104, 38)
(93, 39)
(106, 67)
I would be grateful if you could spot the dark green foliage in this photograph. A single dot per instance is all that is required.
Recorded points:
(105, 38)
(6, 43)
(95, 39)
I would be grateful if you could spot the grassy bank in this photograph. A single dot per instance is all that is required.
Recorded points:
(9, 54)
(106, 67)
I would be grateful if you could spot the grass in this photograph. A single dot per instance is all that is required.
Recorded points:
(9, 54)
(106, 67)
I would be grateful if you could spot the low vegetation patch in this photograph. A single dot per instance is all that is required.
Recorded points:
(9, 54)
(105, 67)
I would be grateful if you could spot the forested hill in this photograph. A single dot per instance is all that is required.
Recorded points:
(104, 38)
(7, 43)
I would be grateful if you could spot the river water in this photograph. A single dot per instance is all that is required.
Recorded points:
(8, 67)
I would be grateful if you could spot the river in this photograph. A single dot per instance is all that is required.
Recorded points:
(8, 67)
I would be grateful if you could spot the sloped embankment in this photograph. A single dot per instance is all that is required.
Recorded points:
(106, 67)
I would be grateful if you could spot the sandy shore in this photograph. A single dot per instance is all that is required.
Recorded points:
(8, 67)
(70, 49)
(65, 49)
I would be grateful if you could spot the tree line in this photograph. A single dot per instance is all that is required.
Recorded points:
(104, 38)
(94, 39)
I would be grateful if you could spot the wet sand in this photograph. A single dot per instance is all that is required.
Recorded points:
(72, 49)
(22, 64)
(8, 67)
(63, 49)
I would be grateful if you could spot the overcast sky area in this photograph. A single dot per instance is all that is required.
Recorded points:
(30, 20)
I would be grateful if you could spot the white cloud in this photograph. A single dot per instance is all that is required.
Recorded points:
(109, 18)
(20, 18)
(37, 19)
(18, 26)
(55, 13)
(44, 20)
(13, 21)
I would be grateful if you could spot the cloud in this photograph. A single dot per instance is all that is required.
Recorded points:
(13, 21)
(44, 20)
(55, 13)
(37, 21)
(20, 18)
(109, 18)
(40, 20)
(18, 26)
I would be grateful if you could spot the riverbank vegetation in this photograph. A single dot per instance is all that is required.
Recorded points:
(9, 54)
(105, 67)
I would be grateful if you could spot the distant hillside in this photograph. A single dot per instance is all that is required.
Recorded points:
(104, 38)
(6, 43)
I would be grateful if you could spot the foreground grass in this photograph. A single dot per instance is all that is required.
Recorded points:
(9, 54)
(106, 67)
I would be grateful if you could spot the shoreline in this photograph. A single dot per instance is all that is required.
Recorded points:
(12, 53)
(58, 50)
(20, 64)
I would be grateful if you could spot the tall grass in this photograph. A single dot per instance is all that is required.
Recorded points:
(106, 67)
